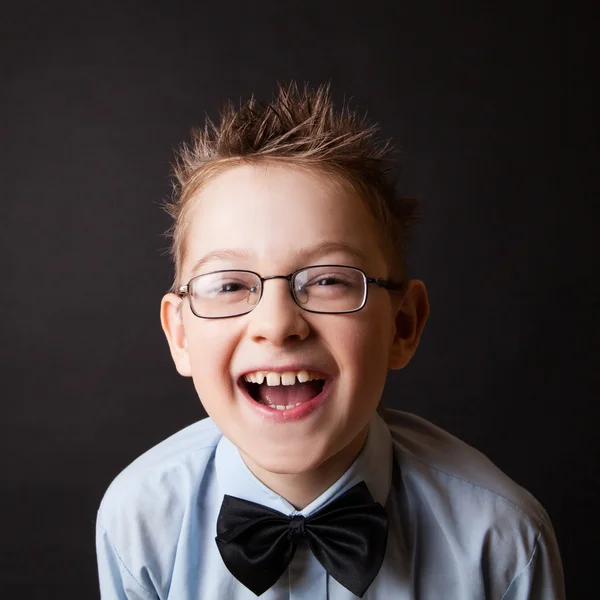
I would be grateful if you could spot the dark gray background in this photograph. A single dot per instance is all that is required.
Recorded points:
(492, 112)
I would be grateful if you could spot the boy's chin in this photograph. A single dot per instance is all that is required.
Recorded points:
(304, 457)
(292, 461)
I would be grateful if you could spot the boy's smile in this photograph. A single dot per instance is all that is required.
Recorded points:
(330, 368)
(287, 393)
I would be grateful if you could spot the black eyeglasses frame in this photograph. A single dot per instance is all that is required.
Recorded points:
(183, 290)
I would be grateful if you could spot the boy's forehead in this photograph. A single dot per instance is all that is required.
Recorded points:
(253, 213)
(271, 187)
(305, 255)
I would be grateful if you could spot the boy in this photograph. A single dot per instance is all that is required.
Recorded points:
(289, 305)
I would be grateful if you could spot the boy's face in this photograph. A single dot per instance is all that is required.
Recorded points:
(275, 217)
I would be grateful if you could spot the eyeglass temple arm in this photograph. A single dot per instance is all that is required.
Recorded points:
(182, 291)
(384, 283)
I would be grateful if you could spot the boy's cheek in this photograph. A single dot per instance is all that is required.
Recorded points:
(210, 359)
(365, 362)
(369, 341)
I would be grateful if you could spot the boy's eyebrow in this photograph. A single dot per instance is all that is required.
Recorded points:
(304, 253)
(232, 255)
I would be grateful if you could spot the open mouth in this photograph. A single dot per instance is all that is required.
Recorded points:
(280, 392)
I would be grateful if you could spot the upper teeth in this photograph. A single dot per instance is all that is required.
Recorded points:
(287, 378)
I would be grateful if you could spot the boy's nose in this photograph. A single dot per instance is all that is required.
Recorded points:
(277, 318)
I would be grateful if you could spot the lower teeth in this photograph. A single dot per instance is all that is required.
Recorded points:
(282, 407)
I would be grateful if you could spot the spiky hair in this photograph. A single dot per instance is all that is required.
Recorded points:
(299, 127)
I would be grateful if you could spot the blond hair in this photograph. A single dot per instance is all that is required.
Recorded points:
(299, 127)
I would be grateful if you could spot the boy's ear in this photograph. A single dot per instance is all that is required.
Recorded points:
(411, 316)
(172, 323)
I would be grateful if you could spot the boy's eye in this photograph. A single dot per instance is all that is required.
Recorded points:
(323, 281)
(219, 285)
(327, 281)
(231, 287)
(326, 287)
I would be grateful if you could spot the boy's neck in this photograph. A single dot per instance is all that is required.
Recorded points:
(300, 489)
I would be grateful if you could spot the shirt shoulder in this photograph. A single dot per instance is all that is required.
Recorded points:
(460, 508)
(427, 452)
(152, 509)
(168, 475)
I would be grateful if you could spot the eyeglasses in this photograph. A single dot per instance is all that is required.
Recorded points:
(329, 289)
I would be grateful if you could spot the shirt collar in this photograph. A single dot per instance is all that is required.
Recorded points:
(373, 466)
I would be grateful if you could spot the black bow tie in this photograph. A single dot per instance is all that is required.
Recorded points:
(348, 537)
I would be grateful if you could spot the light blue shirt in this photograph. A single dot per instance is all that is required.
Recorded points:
(458, 527)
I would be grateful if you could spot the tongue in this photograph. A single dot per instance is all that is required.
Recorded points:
(288, 394)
